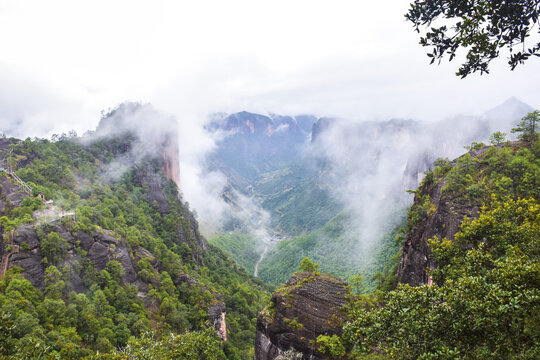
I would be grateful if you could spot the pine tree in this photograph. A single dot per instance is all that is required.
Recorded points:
(527, 127)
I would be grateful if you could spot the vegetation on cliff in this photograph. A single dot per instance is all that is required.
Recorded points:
(81, 301)
(307, 306)
(484, 303)
(482, 299)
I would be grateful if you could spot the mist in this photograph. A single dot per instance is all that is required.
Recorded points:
(369, 165)
(64, 62)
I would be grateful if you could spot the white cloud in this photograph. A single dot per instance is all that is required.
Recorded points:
(345, 58)
(62, 62)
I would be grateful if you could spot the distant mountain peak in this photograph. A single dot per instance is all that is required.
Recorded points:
(245, 122)
(512, 108)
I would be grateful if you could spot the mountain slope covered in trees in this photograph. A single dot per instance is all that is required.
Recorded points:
(475, 292)
(117, 259)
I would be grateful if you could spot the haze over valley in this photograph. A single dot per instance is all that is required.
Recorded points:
(269, 180)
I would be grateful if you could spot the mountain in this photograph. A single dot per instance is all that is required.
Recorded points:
(469, 269)
(101, 253)
(358, 169)
(252, 144)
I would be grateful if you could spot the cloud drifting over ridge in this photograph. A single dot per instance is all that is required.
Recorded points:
(62, 62)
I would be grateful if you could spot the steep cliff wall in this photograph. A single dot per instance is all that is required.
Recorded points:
(443, 222)
(170, 160)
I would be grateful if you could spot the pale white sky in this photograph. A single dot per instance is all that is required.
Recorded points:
(62, 62)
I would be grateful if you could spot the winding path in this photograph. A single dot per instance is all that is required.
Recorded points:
(259, 261)
(5, 260)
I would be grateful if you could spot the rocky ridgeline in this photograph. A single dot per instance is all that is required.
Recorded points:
(443, 221)
(306, 306)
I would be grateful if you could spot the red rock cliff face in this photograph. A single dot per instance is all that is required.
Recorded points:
(170, 158)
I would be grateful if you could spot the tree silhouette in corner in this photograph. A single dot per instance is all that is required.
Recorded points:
(480, 27)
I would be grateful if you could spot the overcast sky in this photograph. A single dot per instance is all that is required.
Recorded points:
(62, 62)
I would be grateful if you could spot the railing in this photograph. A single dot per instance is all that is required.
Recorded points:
(4, 264)
(22, 185)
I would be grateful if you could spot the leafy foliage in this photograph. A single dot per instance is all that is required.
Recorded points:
(497, 137)
(528, 126)
(482, 28)
(331, 346)
(509, 169)
(196, 345)
(162, 242)
(487, 301)
(306, 265)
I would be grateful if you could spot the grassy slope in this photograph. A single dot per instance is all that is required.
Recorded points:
(335, 247)
(242, 248)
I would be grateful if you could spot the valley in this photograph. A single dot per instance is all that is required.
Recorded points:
(270, 180)
(335, 190)
(105, 236)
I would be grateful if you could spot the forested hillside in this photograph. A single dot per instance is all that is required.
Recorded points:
(472, 253)
(112, 259)
(466, 284)
(336, 248)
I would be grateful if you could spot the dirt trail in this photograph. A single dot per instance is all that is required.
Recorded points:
(50, 212)
(259, 261)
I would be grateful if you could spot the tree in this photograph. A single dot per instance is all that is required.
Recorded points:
(497, 137)
(54, 247)
(306, 265)
(481, 27)
(357, 283)
(484, 303)
(54, 285)
(527, 127)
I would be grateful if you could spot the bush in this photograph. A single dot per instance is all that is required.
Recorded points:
(54, 247)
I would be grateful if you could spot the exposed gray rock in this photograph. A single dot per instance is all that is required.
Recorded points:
(443, 223)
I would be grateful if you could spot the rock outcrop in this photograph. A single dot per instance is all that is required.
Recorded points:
(444, 223)
(319, 127)
(101, 247)
(443, 220)
(307, 306)
(216, 315)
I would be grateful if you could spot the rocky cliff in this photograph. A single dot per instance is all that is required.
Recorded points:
(455, 190)
(443, 222)
(306, 306)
